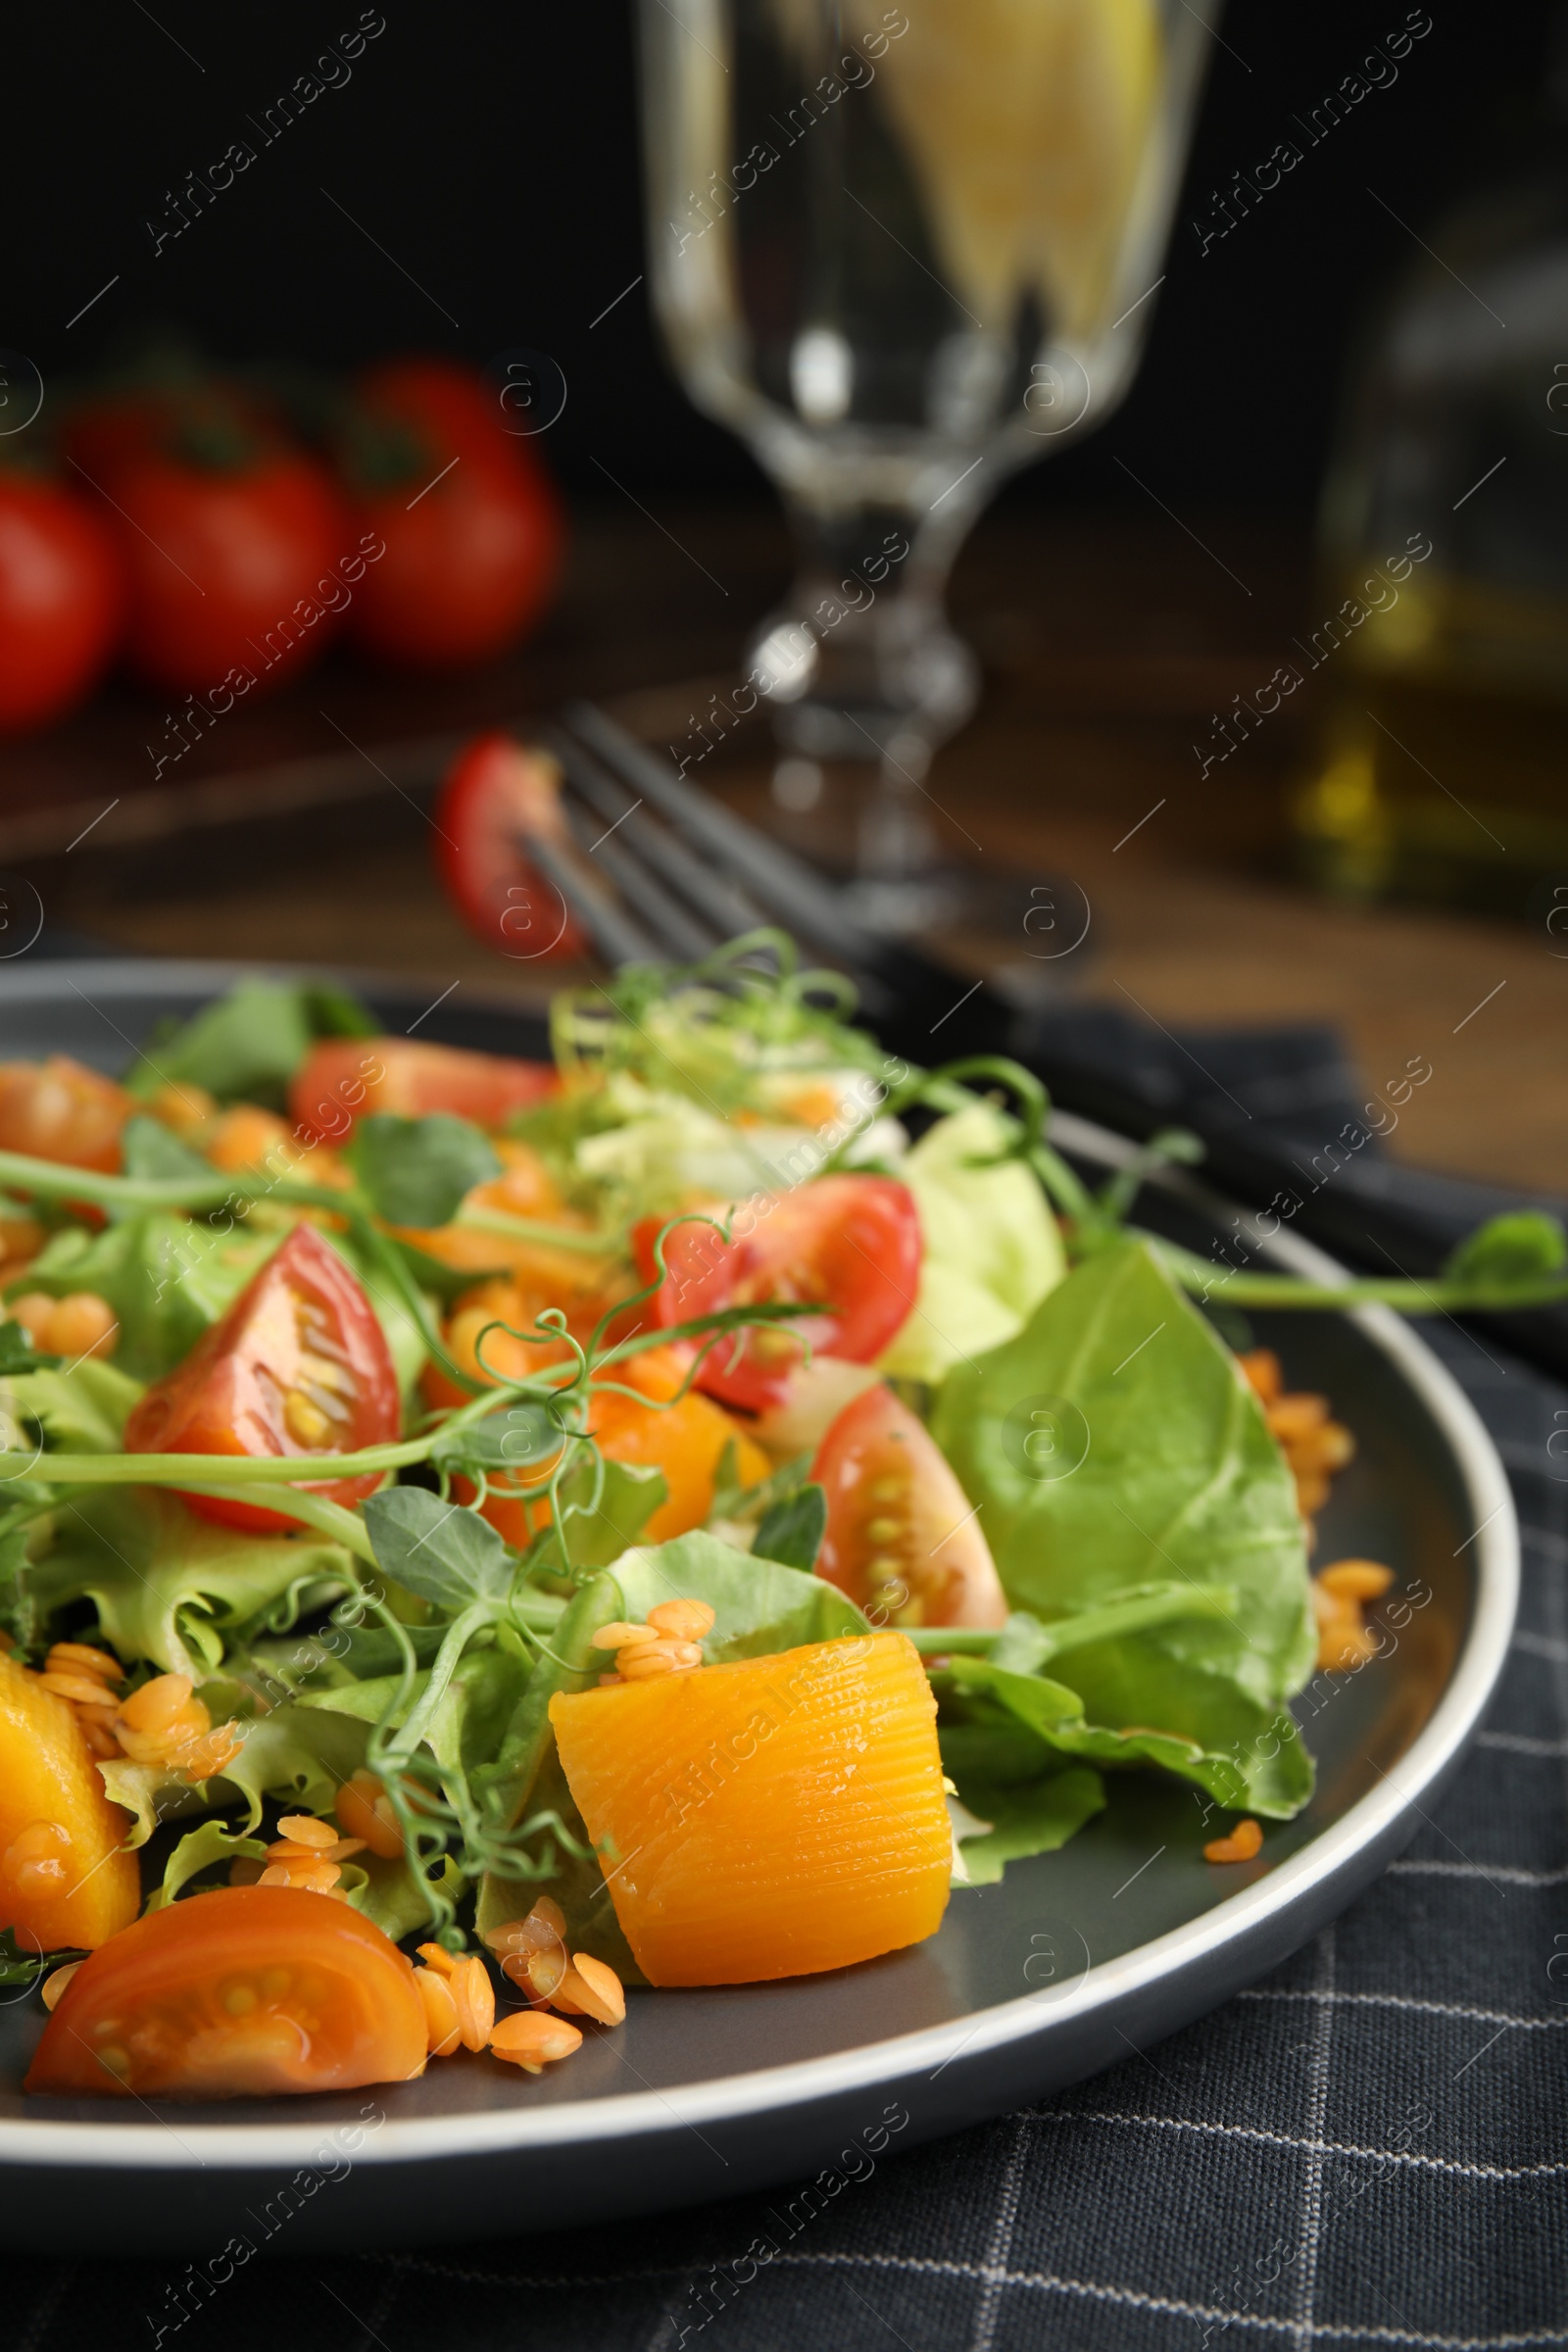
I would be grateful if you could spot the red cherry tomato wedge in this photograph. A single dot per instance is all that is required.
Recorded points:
(299, 1364)
(902, 1534)
(497, 791)
(850, 1242)
(247, 1991)
(346, 1078)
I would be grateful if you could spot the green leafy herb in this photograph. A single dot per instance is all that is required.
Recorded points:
(517, 1438)
(443, 1551)
(17, 1353)
(417, 1171)
(791, 1532)
(1510, 1251)
(18, 1967)
(248, 1045)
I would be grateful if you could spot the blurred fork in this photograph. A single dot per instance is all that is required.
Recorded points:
(689, 874)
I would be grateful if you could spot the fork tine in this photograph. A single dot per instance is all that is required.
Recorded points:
(782, 882)
(617, 936)
(706, 887)
(678, 933)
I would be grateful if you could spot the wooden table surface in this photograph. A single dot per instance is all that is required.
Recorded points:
(1108, 642)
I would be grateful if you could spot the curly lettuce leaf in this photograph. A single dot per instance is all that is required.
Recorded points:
(173, 1588)
(151, 1795)
(991, 1252)
(166, 1278)
(202, 1849)
(82, 1410)
(1177, 1476)
(297, 1756)
(468, 1726)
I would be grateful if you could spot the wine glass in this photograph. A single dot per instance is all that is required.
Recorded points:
(902, 250)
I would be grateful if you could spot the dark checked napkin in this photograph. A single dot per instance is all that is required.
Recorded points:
(1368, 2148)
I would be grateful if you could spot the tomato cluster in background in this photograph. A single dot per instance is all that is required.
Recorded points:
(200, 527)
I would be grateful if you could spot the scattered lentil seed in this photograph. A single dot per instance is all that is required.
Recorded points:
(443, 2028)
(533, 2041)
(1244, 1843)
(306, 1830)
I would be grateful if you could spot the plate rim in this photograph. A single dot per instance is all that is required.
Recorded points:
(1372, 1821)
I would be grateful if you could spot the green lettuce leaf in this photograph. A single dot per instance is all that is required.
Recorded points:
(297, 1756)
(468, 1726)
(526, 1780)
(991, 1250)
(80, 1412)
(760, 1606)
(175, 1589)
(166, 1278)
(198, 1850)
(247, 1045)
(1166, 1469)
(1035, 1819)
(151, 1795)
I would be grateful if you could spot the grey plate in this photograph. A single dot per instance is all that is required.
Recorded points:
(1030, 1984)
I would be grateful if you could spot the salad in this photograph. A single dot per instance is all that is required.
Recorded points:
(660, 1517)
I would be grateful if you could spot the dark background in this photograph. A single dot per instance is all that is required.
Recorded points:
(493, 150)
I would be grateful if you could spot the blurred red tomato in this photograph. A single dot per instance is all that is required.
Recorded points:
(240, 564)
(62, 596)
(471, 521)
(496, 791)
(441, 399)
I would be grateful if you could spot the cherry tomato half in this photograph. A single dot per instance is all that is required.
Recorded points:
(496, 791)
(850, 1242)
(246, 1992)
(346, 1078)
(901, 1534)
(61, 598)
(57, 1109)
(299, 1364)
